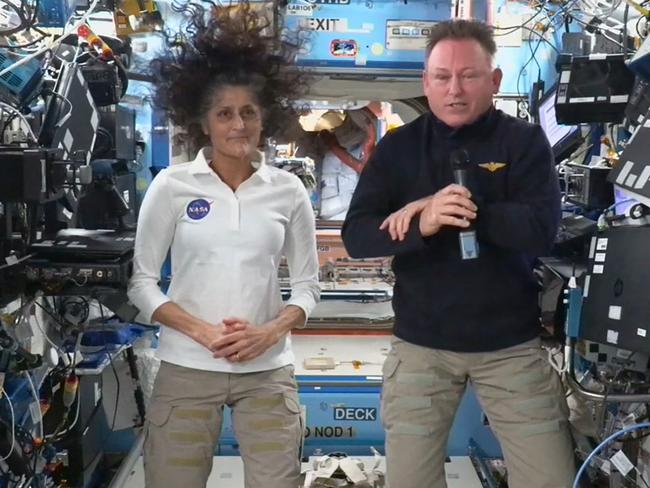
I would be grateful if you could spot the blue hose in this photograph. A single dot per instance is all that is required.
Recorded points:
(600, 446)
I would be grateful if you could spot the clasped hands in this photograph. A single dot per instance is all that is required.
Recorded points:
(450, 206)
(237, 340)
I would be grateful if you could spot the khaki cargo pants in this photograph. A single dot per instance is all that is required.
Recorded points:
(184, 423)
(520, 393)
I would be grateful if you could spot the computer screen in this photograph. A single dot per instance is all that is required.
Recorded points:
(593, 89)
(563, 138)
(623, 201)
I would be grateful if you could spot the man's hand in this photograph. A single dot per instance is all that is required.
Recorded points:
(450, 206)
(244, 341)
(398, 222)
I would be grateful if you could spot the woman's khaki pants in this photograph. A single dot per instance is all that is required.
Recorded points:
(184, 424)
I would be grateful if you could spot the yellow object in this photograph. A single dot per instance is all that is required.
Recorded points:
(492, 166)
(642, 10)
(136, 16)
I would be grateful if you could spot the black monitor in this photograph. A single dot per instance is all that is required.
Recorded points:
(593, 88)
(564, 139)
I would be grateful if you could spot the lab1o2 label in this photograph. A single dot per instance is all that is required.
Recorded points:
(355, 413)
(329, 432)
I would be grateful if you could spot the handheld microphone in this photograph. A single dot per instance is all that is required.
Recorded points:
(467, 241)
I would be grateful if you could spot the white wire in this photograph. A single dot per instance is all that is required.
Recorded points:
(78, 396)
(54, 43)
(22, 117)
(50, 342)
(3, 392)
(76, 417)
(557, 364)
(38, 404)
(67, 115)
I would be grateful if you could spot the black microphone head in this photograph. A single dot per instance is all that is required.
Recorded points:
(459, 159)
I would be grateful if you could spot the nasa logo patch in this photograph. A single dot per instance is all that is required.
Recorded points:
(197, 209)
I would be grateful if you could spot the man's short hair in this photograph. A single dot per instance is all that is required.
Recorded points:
(462, 29)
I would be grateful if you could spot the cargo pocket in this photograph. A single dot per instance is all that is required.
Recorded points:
(389, 370)
(159, 414)
(390, 367)
(155, 442)
(293, 406)
(291, 402)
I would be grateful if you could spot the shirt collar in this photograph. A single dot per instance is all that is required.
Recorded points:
(483, 124)
(201, 164)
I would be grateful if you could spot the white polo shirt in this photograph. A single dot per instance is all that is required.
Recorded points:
(225, 250)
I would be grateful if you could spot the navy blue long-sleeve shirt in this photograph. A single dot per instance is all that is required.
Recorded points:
(440, 300)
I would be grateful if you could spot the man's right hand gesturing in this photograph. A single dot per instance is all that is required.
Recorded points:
(450, 206)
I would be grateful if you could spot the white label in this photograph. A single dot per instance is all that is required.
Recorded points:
(622, 463)
(615, 312)
(408, 35)
(565, 76)
(582, 99)
(601, 244)
(592, 247)
(612, 336)
(599, 269)
(585, 291)
(619, 98)
(641, 332)
(600, 257)
(98, 393)
(361, 60)
(300, 10)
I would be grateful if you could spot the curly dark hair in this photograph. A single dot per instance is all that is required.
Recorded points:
(226, 46)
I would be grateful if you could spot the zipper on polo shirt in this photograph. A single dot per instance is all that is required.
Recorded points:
(234, 211)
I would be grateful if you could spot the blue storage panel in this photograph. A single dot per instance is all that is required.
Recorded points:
(343, 414)
(365, 36)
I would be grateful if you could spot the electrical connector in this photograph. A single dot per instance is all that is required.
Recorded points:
(95, 41)
(70, 390)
